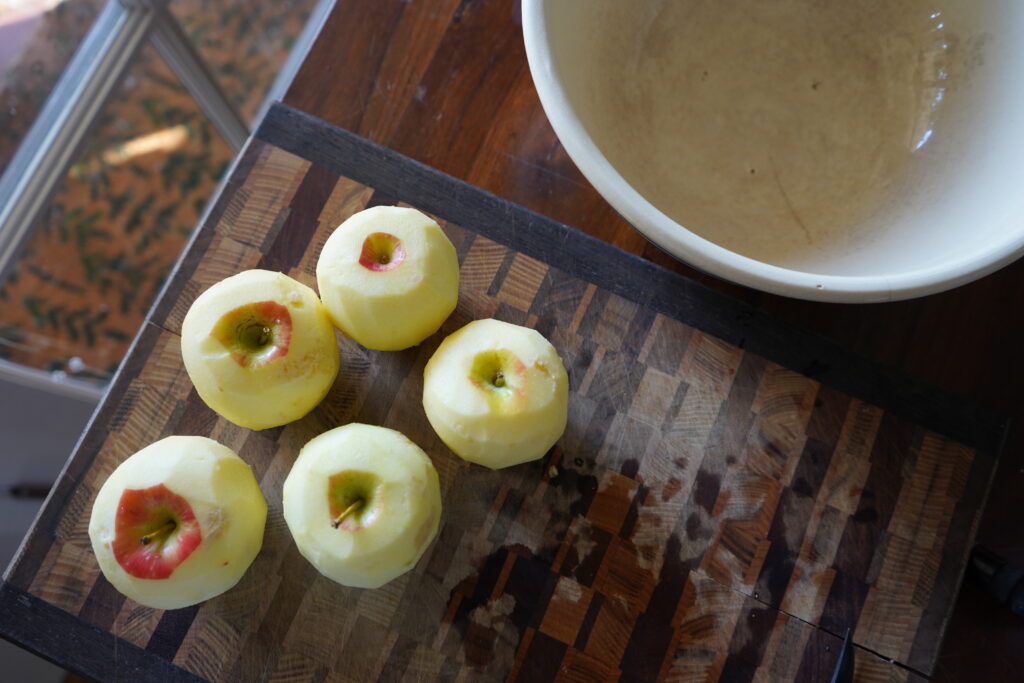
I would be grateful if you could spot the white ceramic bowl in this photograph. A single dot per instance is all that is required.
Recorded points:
(855, 152)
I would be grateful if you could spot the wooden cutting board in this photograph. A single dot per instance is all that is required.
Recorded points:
(729, 497)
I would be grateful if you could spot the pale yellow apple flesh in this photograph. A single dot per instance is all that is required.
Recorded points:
(260, 349)
(226, 508)
(496, 393)
(389, 277)
(362, 503)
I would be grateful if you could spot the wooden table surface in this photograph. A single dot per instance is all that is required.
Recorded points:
(562, 569)
(446, 82)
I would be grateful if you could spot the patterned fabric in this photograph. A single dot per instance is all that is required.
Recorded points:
(118, 222)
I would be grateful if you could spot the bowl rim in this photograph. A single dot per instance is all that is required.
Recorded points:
(709, 257)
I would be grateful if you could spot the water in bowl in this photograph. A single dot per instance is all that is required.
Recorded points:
(795, 132)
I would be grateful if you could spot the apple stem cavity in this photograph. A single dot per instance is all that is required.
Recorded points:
(494, 368)
(255, 333)
(346, 512)
(161, 533)
(381, 251)
(255, 336)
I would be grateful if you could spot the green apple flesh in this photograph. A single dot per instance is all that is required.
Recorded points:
(178, 522)
(389, 277)
(496, 393)
(260, 349)
(363, 503)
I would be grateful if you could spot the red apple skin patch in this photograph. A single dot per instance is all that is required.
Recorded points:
(256, 333)
(155, 530)
(381, 252)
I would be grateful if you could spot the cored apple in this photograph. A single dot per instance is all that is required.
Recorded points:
(178, 522)
(496, 393)
(389, 277)
(363, 503)
(260, 349)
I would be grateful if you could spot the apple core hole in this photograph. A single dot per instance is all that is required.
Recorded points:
(381, 251)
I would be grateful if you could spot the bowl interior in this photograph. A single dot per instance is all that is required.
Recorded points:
(863, 139)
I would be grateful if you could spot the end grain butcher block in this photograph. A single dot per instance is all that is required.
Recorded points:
(730, 496)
